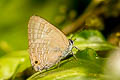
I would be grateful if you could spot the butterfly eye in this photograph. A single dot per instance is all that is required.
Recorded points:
(71, 41)
(36, 62)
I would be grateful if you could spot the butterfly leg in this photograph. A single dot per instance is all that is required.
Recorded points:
(46, 68)
(74, 55)
(76, 48)
(58, 64)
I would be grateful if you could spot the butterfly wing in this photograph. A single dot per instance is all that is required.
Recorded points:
(46, 43)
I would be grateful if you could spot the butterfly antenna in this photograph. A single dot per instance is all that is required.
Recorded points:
(72, 37)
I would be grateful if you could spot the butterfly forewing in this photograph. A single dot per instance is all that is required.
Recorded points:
(46, 43)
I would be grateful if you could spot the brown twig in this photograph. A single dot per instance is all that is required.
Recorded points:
(78, 24)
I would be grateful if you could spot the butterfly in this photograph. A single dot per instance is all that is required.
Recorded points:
(47, 44)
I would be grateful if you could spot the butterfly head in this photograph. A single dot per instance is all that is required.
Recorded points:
(71, 41)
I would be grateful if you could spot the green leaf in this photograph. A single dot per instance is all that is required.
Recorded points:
(87, 54)
(91, 39)
(8, 67)
(87, 66)
(12, 63)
